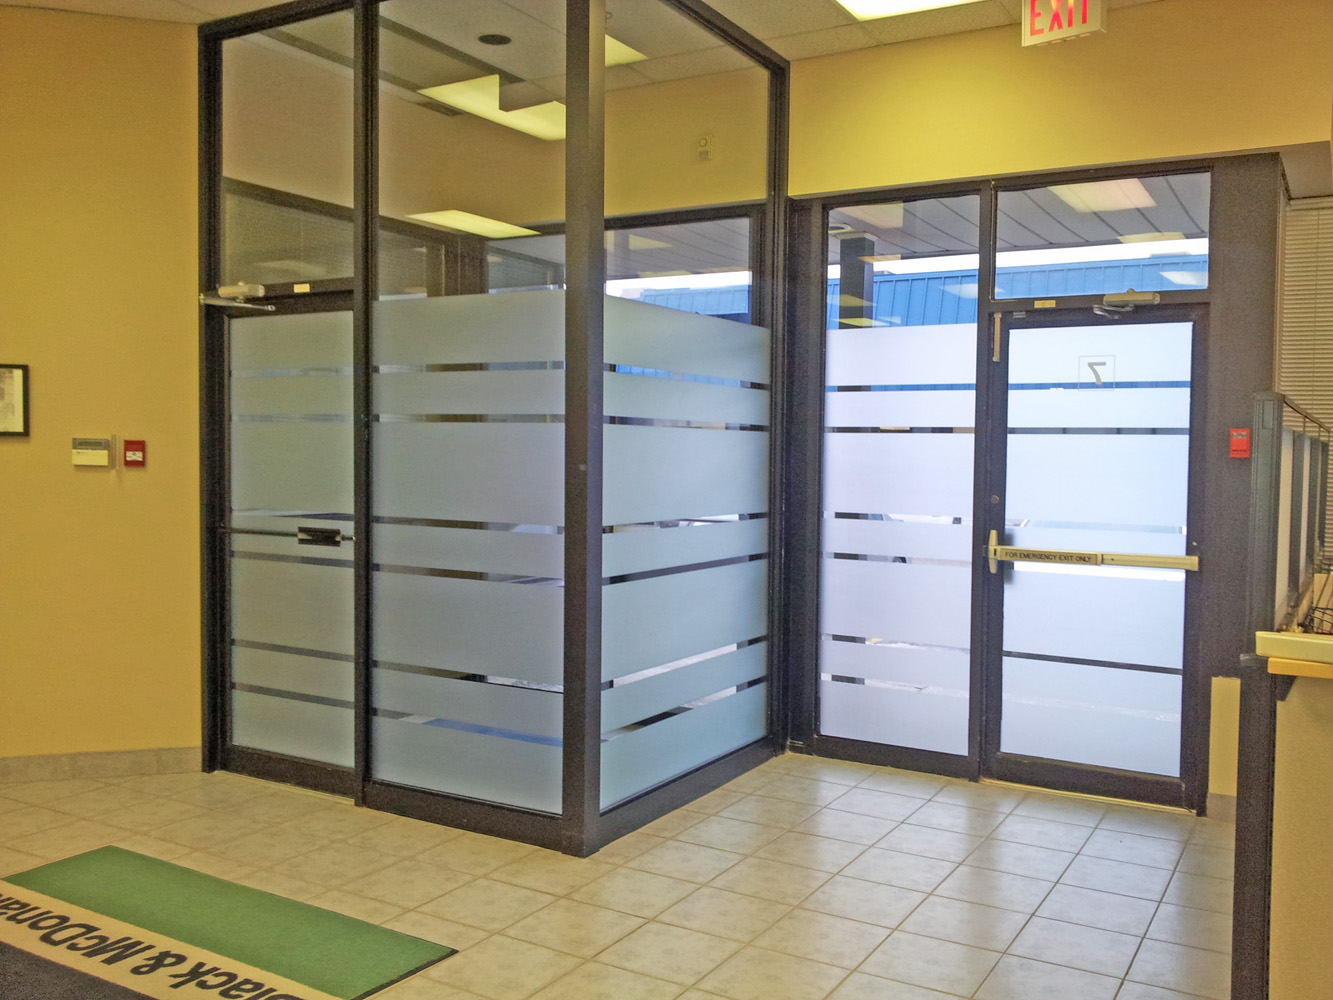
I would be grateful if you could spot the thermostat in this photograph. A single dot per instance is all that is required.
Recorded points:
(95, 451)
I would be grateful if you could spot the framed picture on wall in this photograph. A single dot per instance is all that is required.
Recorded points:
(14, 400)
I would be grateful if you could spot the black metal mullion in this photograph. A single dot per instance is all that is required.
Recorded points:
(365, 136)
(212, 415)
(585, 263)
(269, 18)
(990, 465)
(1197, 684)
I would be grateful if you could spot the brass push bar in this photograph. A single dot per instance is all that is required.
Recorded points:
(996, 554)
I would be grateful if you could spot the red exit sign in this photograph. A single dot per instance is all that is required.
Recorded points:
(1053, 20)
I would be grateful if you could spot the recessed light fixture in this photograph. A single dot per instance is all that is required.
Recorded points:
(478, 225)
(494, 39)
(618, 53)
(481, 97)
(868, 10)
(1105, 196)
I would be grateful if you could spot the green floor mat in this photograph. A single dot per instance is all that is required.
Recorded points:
(328, 951)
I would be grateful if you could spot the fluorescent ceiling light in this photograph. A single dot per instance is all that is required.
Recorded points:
(619, 54)
(868, 10)
(1151, 237)
(479, 225)
(481, 97)
(1105, 196)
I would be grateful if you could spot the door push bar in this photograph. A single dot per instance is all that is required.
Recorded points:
(996, 554)
(332, 537)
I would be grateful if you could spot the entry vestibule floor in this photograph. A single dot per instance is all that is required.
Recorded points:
(803, 879)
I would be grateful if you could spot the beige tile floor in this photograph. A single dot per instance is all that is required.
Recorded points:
(801, 880)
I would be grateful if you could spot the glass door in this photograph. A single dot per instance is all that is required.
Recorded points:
(1089, 564)
(289, 559)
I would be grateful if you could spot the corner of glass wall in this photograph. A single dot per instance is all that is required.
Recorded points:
(467, 404)
(685, 570)
(895, 538)
(1141, 233)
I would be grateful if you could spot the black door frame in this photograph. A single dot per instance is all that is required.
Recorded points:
(804, 459)
(988, 642)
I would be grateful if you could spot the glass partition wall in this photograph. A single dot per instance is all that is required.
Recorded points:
(487, 405)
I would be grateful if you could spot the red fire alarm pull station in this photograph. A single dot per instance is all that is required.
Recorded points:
(1240, 442)
(136, 453)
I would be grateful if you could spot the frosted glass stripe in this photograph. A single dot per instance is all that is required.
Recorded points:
(1119, 407)
(642, 699)
(473, 765)
(943, 408)
(306, 466)
(897, 663)
(902, 355)
(291, 395)
(521, 710)
(454, 329)
(516, 552)
(311, 675)
(292, 604)
(648, 336)
(922, 717)
(477, 472)
(664, 399)
(1098, 478)
(897, 602)
(1107, 718)
(469, 392)
(661, 473)
(497, 629)
(637, 548)
(1114, 613)
(897, 538)
(648, 623)
(647, 757)
(294, 728)
(301, 340)
(1144, 352)
(899, 473)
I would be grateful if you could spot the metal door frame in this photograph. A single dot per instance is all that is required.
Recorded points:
(987, 638)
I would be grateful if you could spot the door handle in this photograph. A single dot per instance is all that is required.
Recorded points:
(996, 554)
(332, 537)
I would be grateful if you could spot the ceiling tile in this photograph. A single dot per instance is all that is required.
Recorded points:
(826, 41)
(776, 18)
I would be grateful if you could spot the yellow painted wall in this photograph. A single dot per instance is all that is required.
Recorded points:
(99, 608)
(1223, 736)
(1302, 928)
(1172, 79)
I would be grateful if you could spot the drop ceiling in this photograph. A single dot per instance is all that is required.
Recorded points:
(799, 29)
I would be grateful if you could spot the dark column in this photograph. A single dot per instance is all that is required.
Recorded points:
(856, 280)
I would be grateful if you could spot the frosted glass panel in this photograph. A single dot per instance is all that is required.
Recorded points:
(664, 473)
(290, 457)
(900, 407)
(294, 728)
(918, 474)
(646, 757)
(471, 764)
(684, 561)
(468, 397)
(1098, 460)
(918, 694)
(1107, 718)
